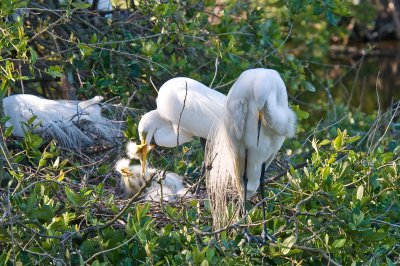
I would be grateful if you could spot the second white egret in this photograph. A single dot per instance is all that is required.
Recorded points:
(256, 121)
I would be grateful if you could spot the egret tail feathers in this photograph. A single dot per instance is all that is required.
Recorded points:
(224, 185)
(73, 124)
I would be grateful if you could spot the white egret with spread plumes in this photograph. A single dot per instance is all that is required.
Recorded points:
(185, 108)
(72, 123)
(256, 121)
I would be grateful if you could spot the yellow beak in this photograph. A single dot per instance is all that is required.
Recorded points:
(144, 155)
(260, 115)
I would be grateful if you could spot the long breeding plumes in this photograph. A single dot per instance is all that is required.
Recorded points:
(132, 181)
(257, 119)
(73, 124)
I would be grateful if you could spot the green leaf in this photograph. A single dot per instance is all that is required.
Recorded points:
(338, 142)
(44, 213)
(8, 131)
(339, 243)
(389, 262)
(74, 198)
(31, 120)
(56, 162)
(332, 19)
(85, 50)
(81, 5)
(55, 71)
(287, 244)
(324, 142)
(360, 192)
(33, 55)
(4, 258)
(374, 236)
(204, 263)
(353, 139)
(309, 86)
(300, 113)
(94, 38)
(42, 162)
(4, 235)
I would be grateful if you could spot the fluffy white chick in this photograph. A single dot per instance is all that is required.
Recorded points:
(132, 179)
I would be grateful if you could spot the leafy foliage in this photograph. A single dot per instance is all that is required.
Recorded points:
(337, 202)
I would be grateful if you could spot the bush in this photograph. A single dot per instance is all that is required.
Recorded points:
(336, 201)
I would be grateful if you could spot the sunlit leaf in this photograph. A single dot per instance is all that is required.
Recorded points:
(339, 243)
(360, 192)
(287, 244)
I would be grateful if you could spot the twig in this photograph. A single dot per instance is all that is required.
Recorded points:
(215, 72)
(180, 115)
(154, 86)
(50, 26)
(275, 177)
(126, 207)
(111, 249)
(312, 250)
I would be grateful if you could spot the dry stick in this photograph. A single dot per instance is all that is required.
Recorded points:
(238, 225)
(387, 128)
(374, 126)
(303, 201)
(379, 106)
(11, 218)
(39, 254)
(216, 71)
(154, 86)
(180, 115)
(312, 250)
(173, 220)
(129, 55)
(49, 27)
(275, 177)
(276, 48)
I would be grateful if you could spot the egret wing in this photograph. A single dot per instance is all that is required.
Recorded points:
(236, 116)
(190, 105)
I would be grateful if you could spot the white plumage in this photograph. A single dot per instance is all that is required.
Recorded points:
(72, 123)
(133, 179)
(184, 105)
(256, 121)
(162, 131)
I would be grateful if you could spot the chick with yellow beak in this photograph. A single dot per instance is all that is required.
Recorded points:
(135, 151)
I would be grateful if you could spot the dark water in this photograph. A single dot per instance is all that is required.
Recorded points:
(367, 79)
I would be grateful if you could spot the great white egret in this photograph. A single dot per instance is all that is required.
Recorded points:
(256, 121)
(185, 108)
(71, 123)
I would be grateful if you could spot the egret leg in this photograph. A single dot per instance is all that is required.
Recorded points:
(203, 142)
(245, 181)
(262, 180)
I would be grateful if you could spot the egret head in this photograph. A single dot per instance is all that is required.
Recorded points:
(146, 128)
(148, 125)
